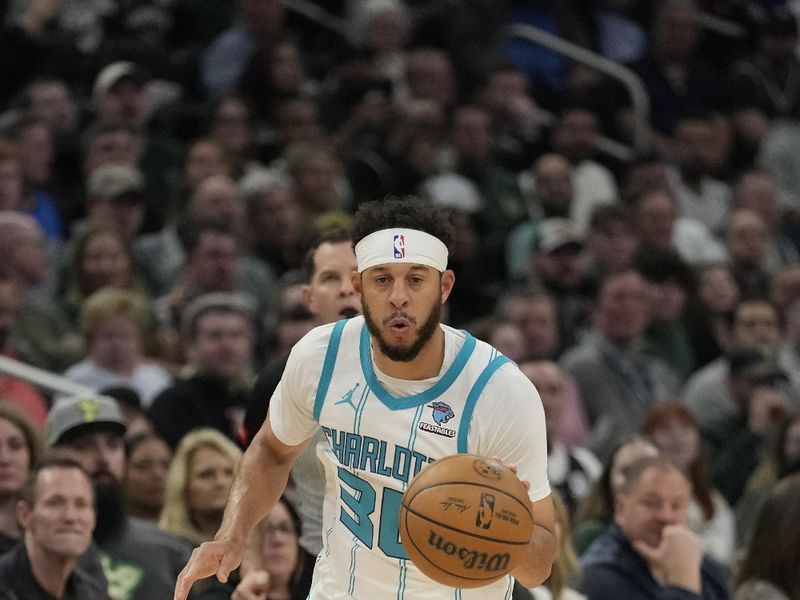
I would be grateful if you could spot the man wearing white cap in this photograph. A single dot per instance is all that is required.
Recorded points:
(376, 386)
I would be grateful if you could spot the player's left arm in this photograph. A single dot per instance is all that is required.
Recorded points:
(508, 424)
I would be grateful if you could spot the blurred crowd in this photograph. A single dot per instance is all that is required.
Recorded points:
(169, 170)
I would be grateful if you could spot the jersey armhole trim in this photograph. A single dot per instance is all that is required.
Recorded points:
(472, 400)
(327, 367)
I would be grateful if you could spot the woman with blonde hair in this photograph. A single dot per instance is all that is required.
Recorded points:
(198, 483)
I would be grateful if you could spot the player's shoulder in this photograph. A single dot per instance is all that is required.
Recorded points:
(505, 372)
(316, 341)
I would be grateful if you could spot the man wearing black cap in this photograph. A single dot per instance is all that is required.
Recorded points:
(139, 560)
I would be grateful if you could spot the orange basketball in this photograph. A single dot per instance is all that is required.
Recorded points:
(465, 520)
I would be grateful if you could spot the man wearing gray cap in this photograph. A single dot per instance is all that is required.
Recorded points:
(115, 195)
(139, 560)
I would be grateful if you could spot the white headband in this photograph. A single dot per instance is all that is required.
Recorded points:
(401, 246)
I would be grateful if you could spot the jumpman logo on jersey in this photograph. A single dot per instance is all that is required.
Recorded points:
(347, 398)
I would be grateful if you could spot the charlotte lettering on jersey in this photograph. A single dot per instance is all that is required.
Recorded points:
(376, 456)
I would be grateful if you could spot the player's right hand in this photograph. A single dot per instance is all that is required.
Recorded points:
(210, 558)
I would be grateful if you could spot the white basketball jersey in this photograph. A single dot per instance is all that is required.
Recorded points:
(380, 431)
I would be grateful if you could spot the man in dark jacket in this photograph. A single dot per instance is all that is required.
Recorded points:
(57, 512)
(649, 553)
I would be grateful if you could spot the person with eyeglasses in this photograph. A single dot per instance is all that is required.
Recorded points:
(272, 563)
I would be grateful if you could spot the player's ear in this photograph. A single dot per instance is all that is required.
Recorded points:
(448, 279)
(356, 282)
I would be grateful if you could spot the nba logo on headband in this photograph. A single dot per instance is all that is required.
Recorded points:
(399, 241)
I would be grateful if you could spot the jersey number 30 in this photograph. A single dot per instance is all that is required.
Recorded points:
(361, 501)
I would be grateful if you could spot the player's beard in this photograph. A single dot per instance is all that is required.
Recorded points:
(400, 353)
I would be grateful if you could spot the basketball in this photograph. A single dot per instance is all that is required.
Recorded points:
(465, 520)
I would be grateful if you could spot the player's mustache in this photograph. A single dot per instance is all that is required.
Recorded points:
(399, 315)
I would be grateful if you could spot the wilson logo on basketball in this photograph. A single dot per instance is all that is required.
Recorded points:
(471, 559)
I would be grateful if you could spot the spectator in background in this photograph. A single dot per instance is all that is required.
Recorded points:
(575, 137)
(649, 549)
(430, 77)
(617, 382)
(709, 316)
(503, 334)
(24, 256)
(781, 461)
(315, 172)
(517, 122)
(769, 570)
(757, 190)
(737, 442)
(12, 390)
(116, 196)
(762, 86)
(119, 94)
(140, 561)
(746, 241)
(661, 227)
(57, 513)
(548, 193)
(275, 561)
(147, 461)
(676, 76)
(596, 512)
(101, 144)
(41, 333)
(226, 58)
(232, 126)
(612, 240)
(102, 258)
(50, 100)
(116, 324)
(699, 194)
(33, 141)
(753, 324)
(198, 483)
(214, 263)
(130, 405)
(671, 287)
(534, 313)
(674, 431)
(557, 265)
(204, 157)
(20, 451)
(502, 202)
(217, 332)
(571, 471)
(273, 220)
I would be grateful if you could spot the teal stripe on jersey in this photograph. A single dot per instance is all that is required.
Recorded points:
(412, 438)
(458, 594)
(360, 409)
(393, 403)
(472, 399)
(327, 367)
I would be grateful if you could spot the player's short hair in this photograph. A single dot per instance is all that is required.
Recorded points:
(407, 213)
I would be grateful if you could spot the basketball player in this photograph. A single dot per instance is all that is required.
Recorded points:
(391, 391)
